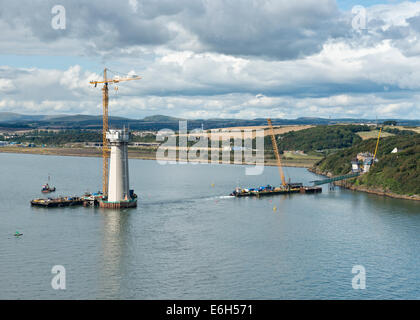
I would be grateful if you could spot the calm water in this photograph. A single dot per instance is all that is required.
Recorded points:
(186, 240)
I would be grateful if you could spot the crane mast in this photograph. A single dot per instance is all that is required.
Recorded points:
(105, 99)
(276, 152)
(105, 150)
(377, 144)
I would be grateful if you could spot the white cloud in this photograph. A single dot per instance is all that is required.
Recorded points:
(6, 85)
(252, 59)
(134, 5)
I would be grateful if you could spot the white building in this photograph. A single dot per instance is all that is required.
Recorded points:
(355, 167)
(366, 166)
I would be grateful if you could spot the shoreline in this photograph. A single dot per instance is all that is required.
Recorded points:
(97, 153)
(375, 191)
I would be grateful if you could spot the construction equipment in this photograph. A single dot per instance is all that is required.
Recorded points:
(105, 99)
(350, 175)
(285, 188)
(377, 144)
(276, 152)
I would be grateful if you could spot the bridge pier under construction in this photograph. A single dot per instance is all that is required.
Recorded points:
(119, 193)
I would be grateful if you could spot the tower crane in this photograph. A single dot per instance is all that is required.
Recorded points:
(105, 99)
(276, 152)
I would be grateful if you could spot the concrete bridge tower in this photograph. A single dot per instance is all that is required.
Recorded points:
(119, 193)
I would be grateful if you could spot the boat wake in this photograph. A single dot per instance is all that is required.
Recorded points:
(226, 197)
(189, 200)
(216, 198)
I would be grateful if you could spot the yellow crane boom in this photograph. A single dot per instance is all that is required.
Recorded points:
(105, 149)
(377, 144)
(276, 152)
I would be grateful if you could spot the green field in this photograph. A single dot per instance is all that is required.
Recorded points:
(373, 134)
(296, 156)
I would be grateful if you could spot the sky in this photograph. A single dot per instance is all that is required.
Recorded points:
(213, 58)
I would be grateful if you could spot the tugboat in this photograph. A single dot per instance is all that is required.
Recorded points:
(46, 187)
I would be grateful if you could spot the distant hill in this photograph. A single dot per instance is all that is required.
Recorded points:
(10, 116)
(82, 117)
(158, 122)
(160, 118)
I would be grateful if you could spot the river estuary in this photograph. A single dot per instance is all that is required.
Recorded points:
(188, 240)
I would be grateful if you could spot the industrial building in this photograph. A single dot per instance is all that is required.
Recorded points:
(362, 162)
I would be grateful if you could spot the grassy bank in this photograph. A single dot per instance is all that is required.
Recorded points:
(395, 174)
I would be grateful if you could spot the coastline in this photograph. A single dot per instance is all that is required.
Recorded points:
(365, 189)
(150, 155)
(140, 154)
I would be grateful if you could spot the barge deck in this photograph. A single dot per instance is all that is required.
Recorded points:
(88, 200)
(270, 191)
(57, 202)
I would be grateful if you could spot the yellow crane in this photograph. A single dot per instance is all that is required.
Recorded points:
(276, 152)
(377, 144)
(105, 99)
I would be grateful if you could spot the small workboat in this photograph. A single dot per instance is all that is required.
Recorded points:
(46, 188)
(18, 234)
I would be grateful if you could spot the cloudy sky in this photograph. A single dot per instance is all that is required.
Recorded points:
(213, 58)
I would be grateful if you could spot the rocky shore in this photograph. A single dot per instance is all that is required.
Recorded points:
(362, 188)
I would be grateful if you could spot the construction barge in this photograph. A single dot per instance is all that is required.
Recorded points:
(57, 202)
(271, 191)
(285, 188)
(88, 200)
